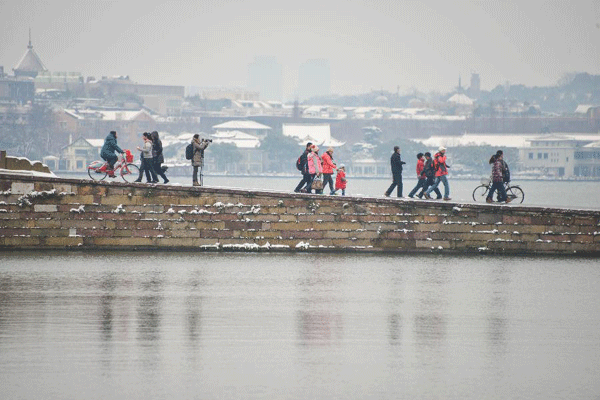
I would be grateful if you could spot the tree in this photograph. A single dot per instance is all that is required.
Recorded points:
(281, 151)
(224, 154)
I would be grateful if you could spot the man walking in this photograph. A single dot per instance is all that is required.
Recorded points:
(422, 179)
(396, 163)
(302, 165)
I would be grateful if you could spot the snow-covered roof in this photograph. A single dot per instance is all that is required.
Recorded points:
(30, 61)
(96, 142)
(238, 138)
(319, 134)
(237, 125)
(460, 98)
(593, 144)
(107, 115)
(584, 108)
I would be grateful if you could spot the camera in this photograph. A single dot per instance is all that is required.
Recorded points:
(207, 140)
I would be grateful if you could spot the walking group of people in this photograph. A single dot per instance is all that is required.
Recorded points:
(317, 172)
(431, 171)
(152, 159)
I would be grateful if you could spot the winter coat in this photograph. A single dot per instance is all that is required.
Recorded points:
(428, 169)
(199, 147)
(420, 167)
(110, 146)
(147, 149)
(340, 180)
(328, 165)
(396, 163)
(314, 163)
(304, 161)
(440, 164)
(497, 175)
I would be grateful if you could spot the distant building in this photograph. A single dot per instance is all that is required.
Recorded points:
(314, 79)
(30, 64)
(562, 156)
(319, 134)
(475, 88)
(265, 75)
(245, 126)
(76, 156)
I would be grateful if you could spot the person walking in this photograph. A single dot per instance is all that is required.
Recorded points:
(396, 164)
(199, 145)
(340, 180)
(422, 179)
(429, 173)
(302, 165)
(497, 180)
(328, 167)
(315, 167)
(146, 156)
(158, 158)
(108, 152)
(441, 174)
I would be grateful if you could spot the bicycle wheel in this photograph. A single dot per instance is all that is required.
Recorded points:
(516, 194)
(480, 193)
(130, 172)
(96, 174)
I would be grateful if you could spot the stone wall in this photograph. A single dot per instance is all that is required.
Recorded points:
(52, 213)
(21, 164)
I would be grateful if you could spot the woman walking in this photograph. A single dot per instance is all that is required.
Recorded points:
(328, 167)
(315, 167)
(158, 158)
(146, 166)
(497, 180)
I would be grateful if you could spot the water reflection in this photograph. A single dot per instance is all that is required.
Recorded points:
(496, 317)
(318, 318)
(149, 319)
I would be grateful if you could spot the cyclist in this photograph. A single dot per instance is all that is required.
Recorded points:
(108, 152)
(497, 179)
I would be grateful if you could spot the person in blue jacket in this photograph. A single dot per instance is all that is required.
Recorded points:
(108, 152)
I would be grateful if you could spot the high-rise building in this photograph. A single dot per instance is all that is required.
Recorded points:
(265, 76)
(475, 88)
(314, 79)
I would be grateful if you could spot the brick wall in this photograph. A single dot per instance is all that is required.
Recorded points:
(54, 213)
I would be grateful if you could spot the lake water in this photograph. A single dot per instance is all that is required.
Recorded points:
(297, 326)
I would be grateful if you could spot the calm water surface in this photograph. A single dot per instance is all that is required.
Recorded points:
(297, 326)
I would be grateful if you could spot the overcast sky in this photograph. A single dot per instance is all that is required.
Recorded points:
(370, 44)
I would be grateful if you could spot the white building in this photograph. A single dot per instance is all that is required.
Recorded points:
(319, 134)
(562, 156)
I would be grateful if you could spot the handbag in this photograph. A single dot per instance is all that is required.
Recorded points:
(317, 183)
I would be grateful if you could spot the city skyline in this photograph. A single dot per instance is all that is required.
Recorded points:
(370, 46)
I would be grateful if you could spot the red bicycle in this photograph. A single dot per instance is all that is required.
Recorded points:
(124, 168)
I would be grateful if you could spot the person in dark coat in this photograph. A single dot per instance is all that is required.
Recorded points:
(429, 173)
(158, 158)
(306, 176)
(198, 158)
(108, 152)
(396, 163)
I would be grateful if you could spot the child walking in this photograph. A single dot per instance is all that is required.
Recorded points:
(340, 180)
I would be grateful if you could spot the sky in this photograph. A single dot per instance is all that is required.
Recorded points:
(370, 45)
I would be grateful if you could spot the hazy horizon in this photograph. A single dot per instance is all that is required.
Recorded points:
(369, 45)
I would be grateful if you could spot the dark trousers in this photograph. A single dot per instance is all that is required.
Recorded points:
(157, 168)
(195, 174)
(396, 183)
(430, 181)
(306, 180)
(422, 183)
(328, 180)
(148, 169)
(111, 161)
(501, 191)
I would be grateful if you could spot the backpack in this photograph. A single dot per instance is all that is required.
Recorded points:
(299, 163)
(189, 152)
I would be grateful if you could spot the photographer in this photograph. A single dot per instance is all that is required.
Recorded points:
(198, 159)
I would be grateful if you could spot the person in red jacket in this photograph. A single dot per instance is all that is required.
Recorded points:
(340, 180)
(328, 167)
(422, 178)
(441, 174)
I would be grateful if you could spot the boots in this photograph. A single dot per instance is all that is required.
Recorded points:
(196, 183)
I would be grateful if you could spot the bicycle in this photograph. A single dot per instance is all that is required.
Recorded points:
(513, 192)
(97, 170)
